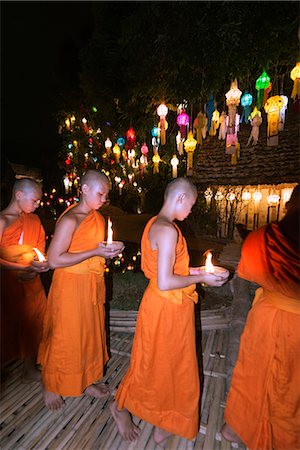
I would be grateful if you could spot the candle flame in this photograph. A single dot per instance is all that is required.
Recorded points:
(209, 267)
(109, 232)
(39, 254)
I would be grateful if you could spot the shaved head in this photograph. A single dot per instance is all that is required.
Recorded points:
(26, 185)
(94, 176)
(179, 186)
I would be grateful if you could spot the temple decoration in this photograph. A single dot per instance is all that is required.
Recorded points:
(214, 123)
(67, 123)
(282, 113)
(162, 111)
(179, 143)
(108, 145)
(183, 122)
(174, 163)
(131, 155)
(272, 108)
(209, 109)
(131, 138)
(189, 146)
(121, 142)
(155, 139)
(144, 151)
(256, 121)
(246, 102)
(222, 126)
(208, 194)
(232, 101)
(295, 76)
(117, 153)
(262, 83)
(156, 160)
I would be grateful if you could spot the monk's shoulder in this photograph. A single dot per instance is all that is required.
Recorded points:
(162, 228)
(99, 217)
(34, 218)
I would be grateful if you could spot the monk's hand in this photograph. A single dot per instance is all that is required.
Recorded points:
(39, 266)
(26, 274)
(214, 279)
(109, 251)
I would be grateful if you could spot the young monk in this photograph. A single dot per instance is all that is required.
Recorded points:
(263, 405)
(162, 383)
(23, 299)
(73, 349)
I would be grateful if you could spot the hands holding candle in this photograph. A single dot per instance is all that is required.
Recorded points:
(110, 249)
(212, 275)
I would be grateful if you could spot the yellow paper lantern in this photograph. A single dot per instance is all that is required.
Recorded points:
(156, 160)
(295, 76)
(189, 146)
(117, 152)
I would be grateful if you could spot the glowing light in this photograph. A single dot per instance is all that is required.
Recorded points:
(230, 196)
(209, 267)
(219, 196)
(246, 196)
(273, 199)
(263, 81)
(109, 232)
(162, 110)
(257, 196)
(84, 121)
(286, 194)
(40, 255)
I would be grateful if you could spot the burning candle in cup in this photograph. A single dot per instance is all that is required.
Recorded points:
(109, 232)
(210, 268)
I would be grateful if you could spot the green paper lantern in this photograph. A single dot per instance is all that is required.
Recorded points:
(263, 81)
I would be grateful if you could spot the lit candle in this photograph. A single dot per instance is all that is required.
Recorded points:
(209, 267)
(40, 255)
(109, 232)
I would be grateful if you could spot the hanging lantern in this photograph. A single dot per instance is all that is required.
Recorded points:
(131, 138)
(117, 153)
(68, 123)
(295, 76)
(174, 163)
(162, 111)
(219, 196)
(156, 160)
(282, 113)
(273, 199)
(155, 131)
(222, 126)
(121, 142)
(257, 196)
(84, 121)
(179, 143)
(108, 145)
(261, 84)
(255, 121)
(230, 196)
(183, 121)
(209, 109)
(272, 108)
(73, 119)
(233, 119)
(131, 155)
(214, 123)
(246, 102)
(246, 196)
(189, 146)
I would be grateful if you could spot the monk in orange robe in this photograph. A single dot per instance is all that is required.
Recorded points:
(23, 299)
(263, 405)
(162, 383)
(73, 349)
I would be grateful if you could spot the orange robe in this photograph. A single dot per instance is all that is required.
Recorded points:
(23, 303)
(162, 384)
(263, 405)
(73, 349)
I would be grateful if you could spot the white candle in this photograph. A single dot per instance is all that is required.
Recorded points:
(40, 255)
(109, 232)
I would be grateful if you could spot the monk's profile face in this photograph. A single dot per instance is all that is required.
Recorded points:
(184, 204)
(28, 199)
(96, 193)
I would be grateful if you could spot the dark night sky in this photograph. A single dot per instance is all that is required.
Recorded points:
(39, 48)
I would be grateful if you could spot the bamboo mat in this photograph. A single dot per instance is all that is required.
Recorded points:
(86, 424)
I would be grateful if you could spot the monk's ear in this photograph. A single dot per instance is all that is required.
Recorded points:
(84, 188)
(19, 195)
(182, 197)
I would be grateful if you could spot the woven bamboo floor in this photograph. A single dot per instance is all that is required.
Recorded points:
(86, 424)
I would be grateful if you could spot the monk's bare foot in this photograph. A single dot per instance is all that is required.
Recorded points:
(52, 401)
(127, 429)
(228, 434)
(97, 390)
(160, 436)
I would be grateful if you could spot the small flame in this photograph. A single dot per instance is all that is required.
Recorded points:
(109, 232)
(209, 267)
(39, 254)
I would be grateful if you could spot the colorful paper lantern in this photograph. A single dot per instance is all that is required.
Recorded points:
(189, 146)
(246, 102)
(162, 111)
(295, 76)
(182, 121)
(117, 152)
(272, 108)
(233, 119)
(174, 163)
(121, 142)
(262, 83)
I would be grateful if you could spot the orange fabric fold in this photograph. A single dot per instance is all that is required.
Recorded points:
(73, 349)
(263, 404)
(23, 303)
(161, 385)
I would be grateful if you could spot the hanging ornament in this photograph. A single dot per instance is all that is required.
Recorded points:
(108, 145)
(214, 123)
(246, 102)
(272, 108)
(117, 153)
(183, 122)
(156, 160)
(162, 111)
(179, 143)
(209, 109)
(223, 126)
(255, 121)
(189, 146)
(261, 84)
(295, 76)
(233, 119)
(174, 163)
(208, 196)
(131, 138)
(282, 113)
(121, 142)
